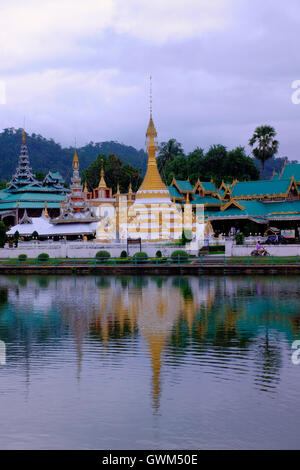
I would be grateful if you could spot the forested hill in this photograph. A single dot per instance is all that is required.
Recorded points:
(46, 154)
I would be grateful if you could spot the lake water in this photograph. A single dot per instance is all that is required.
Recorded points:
(149, 362)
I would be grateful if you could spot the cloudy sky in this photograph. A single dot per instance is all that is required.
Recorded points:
(81, 69)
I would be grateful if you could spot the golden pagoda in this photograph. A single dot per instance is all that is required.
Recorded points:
(153, 216)
(152, 190)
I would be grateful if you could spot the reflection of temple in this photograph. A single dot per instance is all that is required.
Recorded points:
(171, 318)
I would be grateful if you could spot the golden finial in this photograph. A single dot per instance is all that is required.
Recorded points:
(75, 159)
(187, 198)
(102, 183)
(118, 188)
(130, 188)
(23, 137)
(151, 131)
(150, 95)
(85, 187)
(45, 210)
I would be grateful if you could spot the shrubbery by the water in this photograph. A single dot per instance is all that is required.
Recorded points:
(181, 254)
(140, 256)
(158, 254)
(216, 248)
(102, 254)
(123, 254)
(43, 257)
(22, 257)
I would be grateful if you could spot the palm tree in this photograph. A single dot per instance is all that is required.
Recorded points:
(168, 151)
(266, 147)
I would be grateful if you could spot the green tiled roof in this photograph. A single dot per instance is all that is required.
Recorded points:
(174, 192)
(258, 188)
(291, 169)
(33, 197)
(28, 205)
(286, 206)
(206, 200)
(208, 186)
(259, 211)
(55, 175)
(33, 189)
(184, 185)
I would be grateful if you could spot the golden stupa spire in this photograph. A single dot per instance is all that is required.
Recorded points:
(152, 186)
(118, 188)
(75, 159)
(23, 137)
(85, 187)
(102, 183)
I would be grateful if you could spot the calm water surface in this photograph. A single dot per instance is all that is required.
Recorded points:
(149, 362)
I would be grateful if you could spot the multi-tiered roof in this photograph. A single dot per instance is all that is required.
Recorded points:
(23, 175)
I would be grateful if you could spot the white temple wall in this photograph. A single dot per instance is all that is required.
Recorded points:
(87, 250)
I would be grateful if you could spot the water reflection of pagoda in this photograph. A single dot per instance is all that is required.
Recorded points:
(169, 316)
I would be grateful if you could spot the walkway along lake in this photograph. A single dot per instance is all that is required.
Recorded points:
(129, 362)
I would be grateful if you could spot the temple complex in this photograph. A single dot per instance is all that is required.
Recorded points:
(25, 193)
(156, 212)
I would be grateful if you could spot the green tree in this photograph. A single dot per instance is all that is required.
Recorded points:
(115, 172)
(195, 164)
(266, 145)
(177, 168)
(40, 176)
(3, 230)
(238, 165)
(167, 152)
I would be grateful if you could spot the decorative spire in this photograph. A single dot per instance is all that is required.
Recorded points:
(118, 188)
(75, 161)
(102, 183)
(23, 175)
(130, 188)
(76, 208)
(85, 187)
(152, 186)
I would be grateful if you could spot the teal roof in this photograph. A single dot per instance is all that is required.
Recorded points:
(29, 205)
(259, 211)
(32, 197)
(184, 185)
(55, 175)
(260, 188)
(33, 189)
(291, 169)
(174, 192)
(206, 200)
(208, 186)
(286, 206)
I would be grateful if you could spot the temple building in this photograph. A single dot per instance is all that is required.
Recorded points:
(25, 193)
(76, 220)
